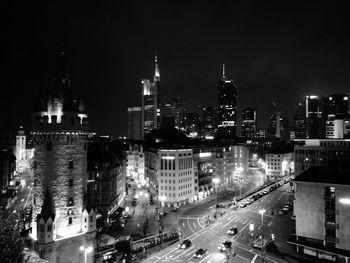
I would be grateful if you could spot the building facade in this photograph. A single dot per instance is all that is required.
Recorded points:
(135, 168)
(62, 222)
(279, 164)
(135, 123)
(151, 102)
(314, 117)
(314, 152)
(336, 108)
(190, 124)
(208, 121)
(322, 211)
(227, 106)
(249, 123)
(173, 107)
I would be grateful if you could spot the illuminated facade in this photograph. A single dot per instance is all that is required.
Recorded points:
(227, 106)
(249, 123)
(173, 107)
(336, 110)
(136, 165)
(299, 121)
(322, 211)
(190, 124)
(24, 156)
(279, 164)
(208, 121)
(61, 221)
(150, 102)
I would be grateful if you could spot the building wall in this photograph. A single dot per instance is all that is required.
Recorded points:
(176, 180)
(342, 218)
(308, 210)
(320, 153)
(279, 165)
(52, 171)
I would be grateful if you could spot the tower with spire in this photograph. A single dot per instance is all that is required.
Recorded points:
(151, 101)
(226, 107)
(62, 220)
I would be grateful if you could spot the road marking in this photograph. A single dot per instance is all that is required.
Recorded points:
(199, 223)
(183, 224)
(204, 258)
(253, 260)
(247, 259)
(190, 226)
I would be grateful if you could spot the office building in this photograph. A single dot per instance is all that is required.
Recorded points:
(279, 125)
(190, 124)
(320, 152)
(279, 164)
(150, 102)
(208, 121)
(226, 107)
(314, 117)
(261, 133)
(322, 211)
(249, 123)
(135, 123)
(299, 121)
(335, 109)
(173, 107)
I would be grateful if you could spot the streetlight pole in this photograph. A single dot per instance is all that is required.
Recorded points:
(262, 211)
(86, 250)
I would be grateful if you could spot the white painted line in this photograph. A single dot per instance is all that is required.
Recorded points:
(194, 225)
(183, 224)
(205, 258)
(253, 260)
(246, 259)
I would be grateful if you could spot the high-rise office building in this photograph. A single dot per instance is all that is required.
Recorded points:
(335, 109)
(150, 102)
(279, 125)
(173, 107)
(227, 106)
(208, 121)
(249, 123)
(299, 121)
(134, 123)
(314, 122)
(190, 124)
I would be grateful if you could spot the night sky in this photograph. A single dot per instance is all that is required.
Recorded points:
(274, 52)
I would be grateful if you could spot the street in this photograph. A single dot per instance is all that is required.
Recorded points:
(212, 236)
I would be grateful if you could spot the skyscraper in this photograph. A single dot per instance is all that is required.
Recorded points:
(314, 123)
(134, 123)
(150, 102)
(249, 123)
(208, 121)
(335, 109)
(173, 107)
(60, 213)
(227, 106)
(299, 121)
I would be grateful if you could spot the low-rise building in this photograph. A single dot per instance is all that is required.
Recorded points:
(322, 211)
(320, 152)
(279, 164)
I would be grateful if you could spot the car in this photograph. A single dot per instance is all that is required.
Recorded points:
(225, 246)
(266, 192)
(185, 244)
(232, 231)
(249, 201)
(200, 252)
(242, 205)
(281, 212)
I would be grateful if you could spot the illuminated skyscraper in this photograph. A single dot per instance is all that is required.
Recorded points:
(173, 107)
(134, 123)
(249, 123)
(299, 119)
(150, 102)
(227, 106)
(208, 121)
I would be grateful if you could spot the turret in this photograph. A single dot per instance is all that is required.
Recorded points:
(89, 220)
(46, 230)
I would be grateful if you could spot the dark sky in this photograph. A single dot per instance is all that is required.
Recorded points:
(274, 51)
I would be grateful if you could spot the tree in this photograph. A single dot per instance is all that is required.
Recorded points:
(11, 242)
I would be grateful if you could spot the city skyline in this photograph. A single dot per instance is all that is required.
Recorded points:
(304, 51)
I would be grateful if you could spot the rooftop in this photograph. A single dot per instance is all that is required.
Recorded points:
(326, 175)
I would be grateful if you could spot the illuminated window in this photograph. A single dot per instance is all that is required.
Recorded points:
(70, 201)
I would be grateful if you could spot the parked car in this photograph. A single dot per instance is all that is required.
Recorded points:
(185, 244)
(200, 252)
(242, 205)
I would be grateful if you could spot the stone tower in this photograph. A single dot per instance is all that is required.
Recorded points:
(60, 224)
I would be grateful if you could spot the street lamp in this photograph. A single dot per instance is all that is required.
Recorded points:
(86, 250)
(262, 211)
(216, 181)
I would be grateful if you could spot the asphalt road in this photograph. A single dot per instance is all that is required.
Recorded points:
(212, 236)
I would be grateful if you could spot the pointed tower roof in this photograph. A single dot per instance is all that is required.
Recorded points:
(156, 71)
(223, 71)
(47, 209)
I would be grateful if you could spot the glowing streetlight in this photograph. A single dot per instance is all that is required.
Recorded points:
(216, 181)
(262, 211)
(86, 250)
